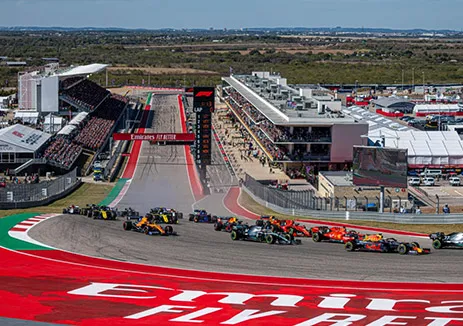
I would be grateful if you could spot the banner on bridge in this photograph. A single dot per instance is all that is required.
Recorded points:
(161, 137)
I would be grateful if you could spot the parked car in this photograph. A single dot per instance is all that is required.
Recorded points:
(415, 181)
(429, 181)
(454, 181)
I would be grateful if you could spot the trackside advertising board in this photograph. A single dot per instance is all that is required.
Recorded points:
(380, 166)
(170, 137)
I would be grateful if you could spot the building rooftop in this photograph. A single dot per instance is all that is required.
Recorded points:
(286, 105)
(339, 178)
(21, 138)
(386, 102)
(375, 121)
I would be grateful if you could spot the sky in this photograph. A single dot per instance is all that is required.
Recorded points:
(156, 14)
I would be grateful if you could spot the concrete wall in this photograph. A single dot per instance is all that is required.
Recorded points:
(344, 137)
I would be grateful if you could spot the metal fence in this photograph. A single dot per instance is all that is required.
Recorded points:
(305, 203)
(21, 195)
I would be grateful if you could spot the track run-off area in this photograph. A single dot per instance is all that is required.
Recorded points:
(70, 269)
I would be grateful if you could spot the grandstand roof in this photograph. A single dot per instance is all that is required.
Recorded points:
(67, 130)
(78, 118)
(83, 70)
(23, 138)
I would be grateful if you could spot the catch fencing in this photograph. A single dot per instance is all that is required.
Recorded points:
(30, 195)
(305, 203)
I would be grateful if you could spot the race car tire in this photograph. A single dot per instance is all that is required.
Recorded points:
(349, 246)
(234, 235)
(218, 226)
(65, 211)
(228, 228)
(127, 225)
(169, 230)
(260, 223)
(415, 244)
(113, 215)
(288, 237)
(437, 244)
(270, 239)
(146, 230)
(316, 237)
(191, 217)
(213, 219)
(402, 249)
(196, 220)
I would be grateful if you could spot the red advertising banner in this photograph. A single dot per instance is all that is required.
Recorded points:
(170, 137)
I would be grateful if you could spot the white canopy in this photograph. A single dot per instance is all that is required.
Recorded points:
(67, 130)
(424, 147)
(27, 116)
(78, 118)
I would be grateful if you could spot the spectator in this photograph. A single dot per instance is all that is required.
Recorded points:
(446, 209)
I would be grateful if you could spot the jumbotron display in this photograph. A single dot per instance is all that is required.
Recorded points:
(379, 166)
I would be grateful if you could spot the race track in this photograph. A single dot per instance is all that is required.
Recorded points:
(161, 179)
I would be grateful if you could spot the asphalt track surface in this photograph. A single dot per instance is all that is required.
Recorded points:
(161, 180)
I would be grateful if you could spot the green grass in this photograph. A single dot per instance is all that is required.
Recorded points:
(246, 201)
(87, 193)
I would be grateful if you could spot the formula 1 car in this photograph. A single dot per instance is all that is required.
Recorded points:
(129, 213)
(452, 240)
(100, 212)
(167, 211)
(260, 234)
(296, 229)
(201, 216)
(332, 234)
(269, 222)
(389, 245)
(226, 223)
(147, 226)
(164, 215)
(72, 210)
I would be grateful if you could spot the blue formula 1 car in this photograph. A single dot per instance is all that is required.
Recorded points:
(258, 233)
(201, 216)
(389, 245)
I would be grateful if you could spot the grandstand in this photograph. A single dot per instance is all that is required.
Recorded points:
(293, 125)
(90, 111)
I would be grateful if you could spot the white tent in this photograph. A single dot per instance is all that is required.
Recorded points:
(67, 130)
(27, 116)
(78, 118)
(52, 123)
(435, 148)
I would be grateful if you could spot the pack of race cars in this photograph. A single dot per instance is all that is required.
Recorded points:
(267, 229)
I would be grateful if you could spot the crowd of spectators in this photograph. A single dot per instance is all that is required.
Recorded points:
(63, 151)
(65, 84)
(94, 134)
(87, 94)
(90, 134)
(112, 108)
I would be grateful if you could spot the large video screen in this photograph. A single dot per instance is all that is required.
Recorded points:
(379, 166)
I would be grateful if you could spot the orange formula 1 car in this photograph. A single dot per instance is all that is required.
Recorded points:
(147, 225)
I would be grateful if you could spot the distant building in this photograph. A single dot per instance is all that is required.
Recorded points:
(16, 63)
(393, 104)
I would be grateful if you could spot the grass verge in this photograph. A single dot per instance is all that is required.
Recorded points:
(87, 193)
(250, 204)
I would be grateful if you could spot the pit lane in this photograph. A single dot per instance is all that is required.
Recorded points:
(161, 180)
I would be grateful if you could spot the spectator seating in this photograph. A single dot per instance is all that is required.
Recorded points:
(87, 94)
(62, 151)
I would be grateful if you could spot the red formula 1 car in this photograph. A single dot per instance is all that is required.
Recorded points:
(296, 229)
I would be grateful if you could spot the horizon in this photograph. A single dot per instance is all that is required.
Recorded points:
(156, 14)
